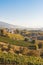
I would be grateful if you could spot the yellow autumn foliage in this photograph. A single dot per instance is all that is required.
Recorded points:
(15, 36)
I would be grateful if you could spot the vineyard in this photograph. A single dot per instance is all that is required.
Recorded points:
(16, 49)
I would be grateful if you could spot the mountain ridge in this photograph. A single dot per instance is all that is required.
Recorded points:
(7, 25)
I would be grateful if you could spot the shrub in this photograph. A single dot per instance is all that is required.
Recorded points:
(33, 41)
(40, 45)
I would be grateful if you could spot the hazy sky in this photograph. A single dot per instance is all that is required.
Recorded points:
(27, 13)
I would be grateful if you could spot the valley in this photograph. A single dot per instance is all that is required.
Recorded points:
(21, 46)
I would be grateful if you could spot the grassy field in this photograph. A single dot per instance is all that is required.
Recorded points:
(15, 42)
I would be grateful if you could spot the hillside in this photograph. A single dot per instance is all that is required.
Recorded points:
(20, 47)
(17, 55)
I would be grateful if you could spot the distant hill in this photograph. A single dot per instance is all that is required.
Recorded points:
(6, 25)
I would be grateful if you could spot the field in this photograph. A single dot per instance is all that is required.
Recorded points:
(18, 59)
(15, 42)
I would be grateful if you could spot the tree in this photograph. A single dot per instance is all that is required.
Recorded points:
(26, 39)
(1, 32)
(17, 31)
(40, 45)
(41, 55)
(33, 41)
(2, 60)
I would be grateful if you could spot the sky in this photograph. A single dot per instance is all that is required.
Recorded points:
(27, 13)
